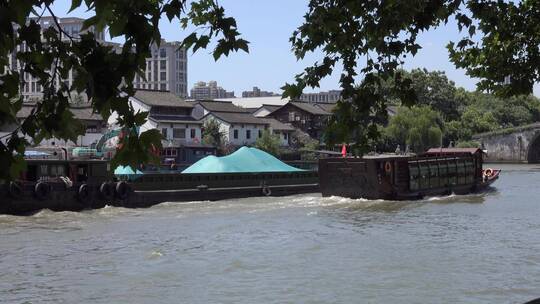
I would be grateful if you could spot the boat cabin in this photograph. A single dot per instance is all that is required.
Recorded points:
(390, 176)
(50, 164)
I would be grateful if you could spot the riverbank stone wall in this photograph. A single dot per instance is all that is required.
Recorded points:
(516, 145)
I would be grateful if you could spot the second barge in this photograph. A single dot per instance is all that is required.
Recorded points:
(406, 177)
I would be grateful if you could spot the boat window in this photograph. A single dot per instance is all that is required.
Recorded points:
(469, 169)
(443, 174)
(424, 176)
(461, 173)
(43, 170)
(443, 169)
(414, 174)
(82, 172)
(433, 175)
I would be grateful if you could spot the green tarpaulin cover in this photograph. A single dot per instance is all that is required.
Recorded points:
(243, 160)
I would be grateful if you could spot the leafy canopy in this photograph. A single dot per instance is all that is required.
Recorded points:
(418, 127)
(104, 74)
(372, 38)
(212, 135)
(269, 142)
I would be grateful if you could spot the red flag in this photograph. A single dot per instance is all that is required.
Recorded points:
(344, 150)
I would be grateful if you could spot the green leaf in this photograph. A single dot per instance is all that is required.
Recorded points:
(74, 4)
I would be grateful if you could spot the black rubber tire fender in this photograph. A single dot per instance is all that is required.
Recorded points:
(122, 190)
(42, 190)
(266, 191)
(106, 191)
(83, 193)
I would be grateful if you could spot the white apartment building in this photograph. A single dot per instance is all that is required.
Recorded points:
(256, 92)
(166, 70)
(331, 96)
(30, 89)
(202, 91)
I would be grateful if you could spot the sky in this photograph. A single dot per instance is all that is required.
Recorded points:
(268, 25)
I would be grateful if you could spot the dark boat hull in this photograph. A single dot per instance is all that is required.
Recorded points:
(403, 178)
(158, 188)
(143, 199)
(60, 198)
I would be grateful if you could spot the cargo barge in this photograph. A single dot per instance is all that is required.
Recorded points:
(58, 181)
(406, 177)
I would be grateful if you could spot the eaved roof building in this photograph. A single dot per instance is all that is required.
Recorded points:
(93, 122)
(265, 110)
(238, 124)
(307, 117)
(171, 115)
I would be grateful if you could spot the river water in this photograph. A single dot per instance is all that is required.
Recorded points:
(482, 248)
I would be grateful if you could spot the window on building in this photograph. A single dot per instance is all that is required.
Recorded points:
(260, 133)
(235, 134)
(192, 133)
(164, 132)
(170, 152)
(162, 53)
(248, 134)
(163, 87)
(163, 76)
(163, 64)
(179, 133)
(285, 136)
(291, 116)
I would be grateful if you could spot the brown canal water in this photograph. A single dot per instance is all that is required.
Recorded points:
(482, 248)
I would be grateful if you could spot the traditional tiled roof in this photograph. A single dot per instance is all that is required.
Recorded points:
(221, 106)
(277, 125)
(160, 98)
(327, 107)
(310, 108)
(270, 108)
(238, 118)
(81, 113)
(175, 119)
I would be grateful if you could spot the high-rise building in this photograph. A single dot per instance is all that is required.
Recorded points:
(202, 91)
(69, 28)
(256, 92)
(331, 96)
(166, 70)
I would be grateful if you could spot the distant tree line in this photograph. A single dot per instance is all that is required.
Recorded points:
(447, 115)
